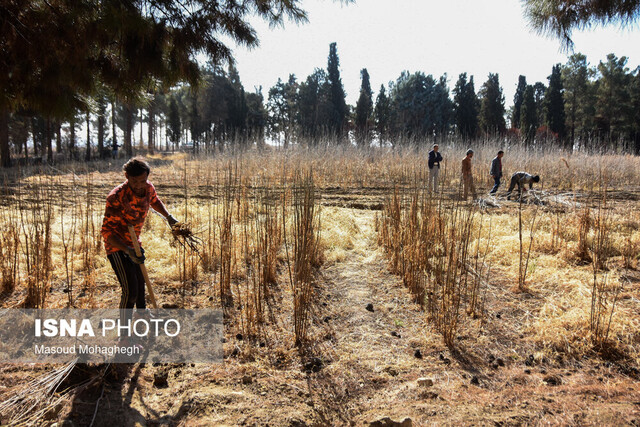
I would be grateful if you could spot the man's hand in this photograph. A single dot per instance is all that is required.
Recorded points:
(171, 220)
(135, 258)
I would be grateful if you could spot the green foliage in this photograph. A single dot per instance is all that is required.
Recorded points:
(613, 107)
(314, 107)
(560, 17)
(492, 106)
(578, 96)
(382, 114)
(420, 106)
(554, 103)
(364, 110)
(517, 101)
(282, 108)
(528, 117)
(465, 103)
(338, 114)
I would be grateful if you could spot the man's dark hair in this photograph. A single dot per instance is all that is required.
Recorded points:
(136, 167)
(500, 152)
(536, 178)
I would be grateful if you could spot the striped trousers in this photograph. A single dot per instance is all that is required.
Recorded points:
(131, 282)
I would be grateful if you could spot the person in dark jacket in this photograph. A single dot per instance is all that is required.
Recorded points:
(496, 171)
(434, 167)
(521, 179)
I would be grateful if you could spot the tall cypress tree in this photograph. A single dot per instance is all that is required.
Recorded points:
(337, 95)
(528, 117)
(465, 104)
(382, 114)
(554, 103)
(517, 101)
(492, 106)
(364, 109)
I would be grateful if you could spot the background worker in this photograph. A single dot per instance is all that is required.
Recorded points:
(496, 171)
(434, 168)
(128, 204)
(521, 179)
(467, 175)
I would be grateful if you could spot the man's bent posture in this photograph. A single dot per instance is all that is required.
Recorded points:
(521, 179)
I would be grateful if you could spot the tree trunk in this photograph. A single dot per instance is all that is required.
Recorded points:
(128, 124)
(114, 140)
(48, 138)
(87, 156)
(151, 123)
(58, 137)
(5, 154)
(72, 138)
(101, 151)
(141, 145)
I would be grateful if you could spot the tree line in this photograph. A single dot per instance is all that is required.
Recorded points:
(111, 64)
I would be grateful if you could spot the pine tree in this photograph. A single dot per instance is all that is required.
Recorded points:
(364, 110)
(517, 101)
(336, 95)
(613, 98)
(77, 45)
(492, 106)
(579, 102)
(554, 103)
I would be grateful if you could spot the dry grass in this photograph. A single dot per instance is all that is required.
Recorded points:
(243, 208)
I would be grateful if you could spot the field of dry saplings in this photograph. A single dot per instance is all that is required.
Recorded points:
(351, 294)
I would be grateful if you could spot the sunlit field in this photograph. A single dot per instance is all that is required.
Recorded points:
(343, 281)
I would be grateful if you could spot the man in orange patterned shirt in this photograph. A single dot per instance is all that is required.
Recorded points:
(128, 204)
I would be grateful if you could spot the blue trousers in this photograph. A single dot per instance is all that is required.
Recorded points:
(496, 184)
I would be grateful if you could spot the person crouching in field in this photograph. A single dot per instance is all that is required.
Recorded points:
(434, 168)
(128, 204)
(467, 176)
(521, 179)
(496, 171)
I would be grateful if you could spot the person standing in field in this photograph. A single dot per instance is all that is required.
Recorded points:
(467, 175)
(521, 179)
(128, 204)
(496, 171)
(434, 168)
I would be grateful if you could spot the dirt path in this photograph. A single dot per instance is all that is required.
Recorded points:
(377, 330)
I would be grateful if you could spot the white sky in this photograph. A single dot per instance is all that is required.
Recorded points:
(435, 37)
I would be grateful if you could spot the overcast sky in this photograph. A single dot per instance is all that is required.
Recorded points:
(435, 37)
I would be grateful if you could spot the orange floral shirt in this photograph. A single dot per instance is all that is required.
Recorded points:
(124, 208)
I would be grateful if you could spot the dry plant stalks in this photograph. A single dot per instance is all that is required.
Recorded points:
(36, 216)
(68, 214)
(427, 241)
(32, 402)
(305, 237)
(584, 226)
(524, 256)
(604, 296)
(266, 239)
(9, 249)
(227, 237)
